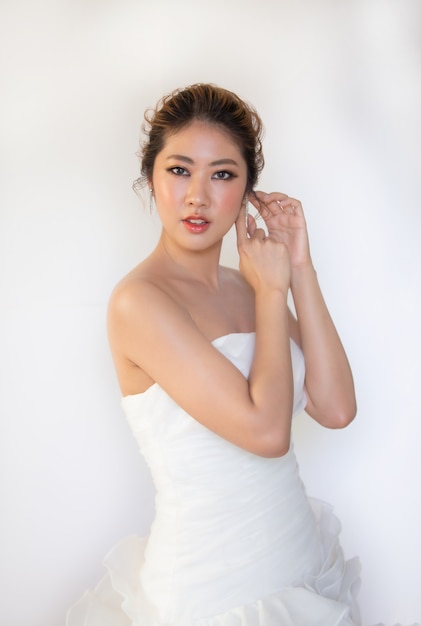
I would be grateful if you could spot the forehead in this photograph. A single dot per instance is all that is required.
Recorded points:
(202, 136)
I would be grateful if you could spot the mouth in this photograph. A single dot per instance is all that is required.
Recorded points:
(197, 221)
(196, 224)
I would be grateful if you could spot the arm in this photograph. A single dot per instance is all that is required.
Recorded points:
(329, 382)
(157, 335)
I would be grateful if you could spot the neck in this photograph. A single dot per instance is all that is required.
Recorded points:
(198, 265)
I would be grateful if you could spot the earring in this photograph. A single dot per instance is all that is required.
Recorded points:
(151, 199)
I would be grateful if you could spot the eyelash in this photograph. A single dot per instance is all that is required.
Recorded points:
(181, 171)
(227, 175)
(178, 171)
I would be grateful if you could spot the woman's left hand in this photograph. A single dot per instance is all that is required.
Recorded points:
(285, 222)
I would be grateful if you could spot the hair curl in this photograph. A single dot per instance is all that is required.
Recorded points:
(212, 105)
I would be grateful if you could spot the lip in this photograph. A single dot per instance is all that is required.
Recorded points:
(196, 224)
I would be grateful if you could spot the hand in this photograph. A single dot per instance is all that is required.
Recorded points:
(264, 260)
(285, 222)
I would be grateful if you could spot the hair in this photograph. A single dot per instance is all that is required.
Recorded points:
(209, 104)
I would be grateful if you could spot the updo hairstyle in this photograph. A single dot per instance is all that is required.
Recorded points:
(212, 105)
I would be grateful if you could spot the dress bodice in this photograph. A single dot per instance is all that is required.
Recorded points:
(217, 503)
(157, 421)
(235, 539)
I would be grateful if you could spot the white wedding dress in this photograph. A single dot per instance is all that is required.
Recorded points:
(235, 542)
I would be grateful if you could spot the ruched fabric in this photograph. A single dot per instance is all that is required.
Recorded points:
(235, 541)
(327, 599)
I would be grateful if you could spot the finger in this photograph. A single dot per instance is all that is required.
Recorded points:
(291, 206)
(251, 225)
(257, 198)
(241, 226)
(269, 203)
(259, 233)
(257, 201)
(271, 197)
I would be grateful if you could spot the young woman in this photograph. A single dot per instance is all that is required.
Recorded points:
(212, 367)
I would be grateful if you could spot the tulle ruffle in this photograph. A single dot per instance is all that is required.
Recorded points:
(327, 599)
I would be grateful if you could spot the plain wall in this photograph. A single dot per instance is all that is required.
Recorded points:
(338, 87)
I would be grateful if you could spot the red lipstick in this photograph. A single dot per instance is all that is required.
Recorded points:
(196, 224)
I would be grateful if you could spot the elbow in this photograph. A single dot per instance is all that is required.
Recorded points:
(276, 452)
(342, 416)
(273, 444)
(334, 413)
(347, 413)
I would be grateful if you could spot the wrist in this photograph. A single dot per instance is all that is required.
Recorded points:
(303, 274)
(271, 293)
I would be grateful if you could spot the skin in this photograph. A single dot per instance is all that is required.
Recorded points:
(164, 314)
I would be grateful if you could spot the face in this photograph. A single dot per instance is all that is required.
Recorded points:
(199, 181)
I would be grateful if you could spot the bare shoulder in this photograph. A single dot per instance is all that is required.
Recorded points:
(139, 299)
(134, 291)
(141, 317)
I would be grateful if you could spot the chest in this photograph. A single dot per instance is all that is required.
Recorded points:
(215, 313)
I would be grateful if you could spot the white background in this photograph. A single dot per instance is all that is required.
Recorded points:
(338, 86)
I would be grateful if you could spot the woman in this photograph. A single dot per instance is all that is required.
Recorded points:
(210, 362)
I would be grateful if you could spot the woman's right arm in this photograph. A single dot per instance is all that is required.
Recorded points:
(158, 336)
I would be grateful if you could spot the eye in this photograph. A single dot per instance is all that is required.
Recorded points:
(178, 171)
(223, 175)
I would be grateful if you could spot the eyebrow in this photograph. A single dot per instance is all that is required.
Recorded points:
(186, 159)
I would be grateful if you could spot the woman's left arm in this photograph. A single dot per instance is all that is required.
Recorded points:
(329, 383)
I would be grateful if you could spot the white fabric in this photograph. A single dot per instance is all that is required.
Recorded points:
(235, 541)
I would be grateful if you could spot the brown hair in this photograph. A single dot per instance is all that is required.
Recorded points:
(210, 104)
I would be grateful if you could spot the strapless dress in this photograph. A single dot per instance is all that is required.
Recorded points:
(236, 541)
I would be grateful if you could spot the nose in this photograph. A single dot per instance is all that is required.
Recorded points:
(197, 194)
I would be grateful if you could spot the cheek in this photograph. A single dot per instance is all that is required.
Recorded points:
(234, 198)
(170, 189)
